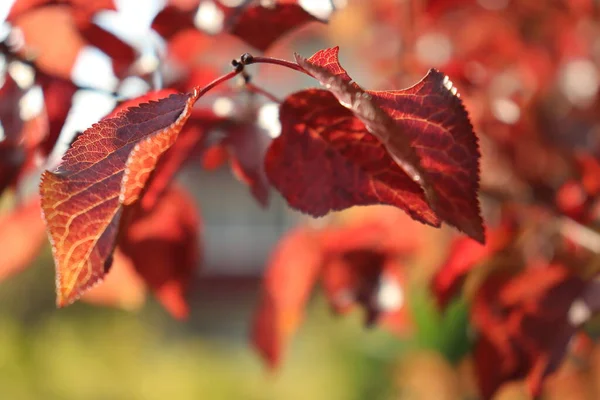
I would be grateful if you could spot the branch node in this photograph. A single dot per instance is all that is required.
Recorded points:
(237, 66)
(247, 58)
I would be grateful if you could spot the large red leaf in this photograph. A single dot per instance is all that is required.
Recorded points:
(107, 167)
(163, 244)
(260, 26)
(291, 274)
(326, 160)
(22, 235)
(425, 130)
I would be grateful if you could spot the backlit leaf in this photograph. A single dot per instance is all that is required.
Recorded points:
(325, 160)
(425, 130)
(107, 168)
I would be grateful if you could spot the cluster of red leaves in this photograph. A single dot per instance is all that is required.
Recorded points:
(111, 205)
(149, 240)
(414, 148)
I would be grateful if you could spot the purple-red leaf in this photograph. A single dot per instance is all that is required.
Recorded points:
(325, 160)
(107, 168)
(424, 129)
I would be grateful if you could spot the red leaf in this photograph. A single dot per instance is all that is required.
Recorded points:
(289, 279)
(153, 95)
(425, 129)
(163, 246)
(325, 160)
(22, 235)
(170, 162)
(107, 168)
(260, 26)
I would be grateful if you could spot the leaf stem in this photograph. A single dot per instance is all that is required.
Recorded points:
(218, 81)
(258, 90)
(276, 61)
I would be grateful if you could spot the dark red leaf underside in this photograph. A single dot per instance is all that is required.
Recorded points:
(261, 26)
(107, 167)
(425, 129)
(325, 160)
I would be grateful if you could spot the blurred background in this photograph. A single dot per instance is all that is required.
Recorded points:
(528, 74)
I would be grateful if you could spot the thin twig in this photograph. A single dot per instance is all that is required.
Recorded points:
(258, 90)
